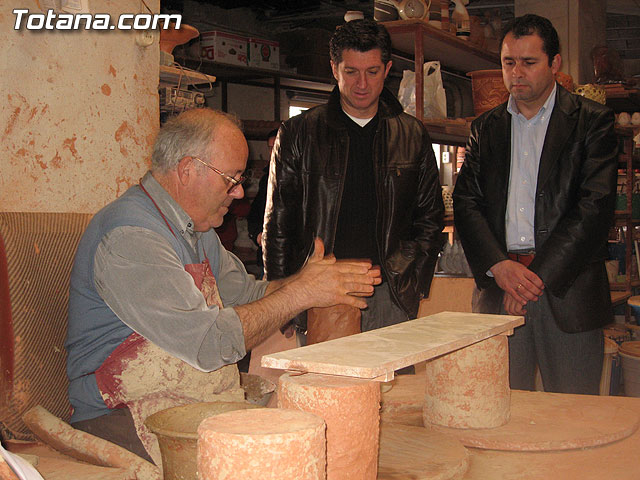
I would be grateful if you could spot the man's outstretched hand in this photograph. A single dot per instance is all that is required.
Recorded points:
(327, 281)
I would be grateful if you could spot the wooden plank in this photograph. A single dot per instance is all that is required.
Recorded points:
(375, 355)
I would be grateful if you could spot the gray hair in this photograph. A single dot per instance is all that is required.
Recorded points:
(189, 134)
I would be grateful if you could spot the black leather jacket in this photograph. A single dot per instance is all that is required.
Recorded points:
(574, 205)
(306, 179)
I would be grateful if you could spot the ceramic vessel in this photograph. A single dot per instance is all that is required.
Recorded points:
(592, 91)
(488, 90)
(414, 9)
(385, 10)
(353, 15)
(177, 432)
(565, 80)
(172, 37)
(623, 119)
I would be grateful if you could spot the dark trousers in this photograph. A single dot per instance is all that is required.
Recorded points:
(381, 310)
(568, 362)
(116, 427)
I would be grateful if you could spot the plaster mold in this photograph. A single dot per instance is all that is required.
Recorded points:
(262, 444)
(349, 406)
(469, 388)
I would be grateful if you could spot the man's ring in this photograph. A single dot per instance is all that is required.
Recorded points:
(519, 286)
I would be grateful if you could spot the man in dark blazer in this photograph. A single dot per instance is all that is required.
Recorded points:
(533, 205)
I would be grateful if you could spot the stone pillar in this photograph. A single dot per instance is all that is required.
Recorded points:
(581, 25)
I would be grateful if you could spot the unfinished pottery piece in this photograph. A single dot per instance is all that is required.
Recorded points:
(469, 388)
(262, 444)
(543, 421)
(171, 37)
(177, 432)
(349, 406)
(327, 323)
(487, 89)
(419, 453)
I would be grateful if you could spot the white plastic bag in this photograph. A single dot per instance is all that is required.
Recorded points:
(435, 100)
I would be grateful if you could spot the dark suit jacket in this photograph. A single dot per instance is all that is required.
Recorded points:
(574, 205)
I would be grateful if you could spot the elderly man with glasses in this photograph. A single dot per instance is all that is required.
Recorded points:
(159, 311)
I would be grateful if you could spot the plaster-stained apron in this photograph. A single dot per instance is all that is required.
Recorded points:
(147, 379)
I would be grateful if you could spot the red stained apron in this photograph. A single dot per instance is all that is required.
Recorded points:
(146, 379)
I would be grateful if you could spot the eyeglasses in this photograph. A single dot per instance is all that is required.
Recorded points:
(235, 183)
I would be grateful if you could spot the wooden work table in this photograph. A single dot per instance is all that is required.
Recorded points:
(618, 460)
(374, 353)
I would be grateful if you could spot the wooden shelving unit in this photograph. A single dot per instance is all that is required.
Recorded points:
(423, 41)
(623, 99)
(448, 131)
(259, 77)
(624, 218)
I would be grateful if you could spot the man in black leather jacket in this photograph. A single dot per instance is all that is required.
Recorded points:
(533, 205)
(360, 174)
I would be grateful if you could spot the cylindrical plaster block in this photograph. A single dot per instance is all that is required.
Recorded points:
(262, 444)
(469, 388)
(350, 408)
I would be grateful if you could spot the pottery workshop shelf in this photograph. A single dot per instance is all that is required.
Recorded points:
(420, 39)
(619, 287)
(624, 221)
(622, 98)
(170, 76)
(619, 297)
(260, 76)
(448, 131)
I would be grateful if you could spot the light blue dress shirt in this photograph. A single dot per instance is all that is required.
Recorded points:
(527, 141)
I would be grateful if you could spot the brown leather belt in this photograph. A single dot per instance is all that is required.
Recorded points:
(523, 258)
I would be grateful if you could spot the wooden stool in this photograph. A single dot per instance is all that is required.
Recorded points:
(634, 305)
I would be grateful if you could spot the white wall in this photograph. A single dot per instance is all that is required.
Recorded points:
(79, 115)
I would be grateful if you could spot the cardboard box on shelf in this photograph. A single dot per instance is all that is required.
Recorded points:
(264, 54)
(224, 47)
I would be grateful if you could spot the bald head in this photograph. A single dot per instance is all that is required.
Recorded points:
(190, 134)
